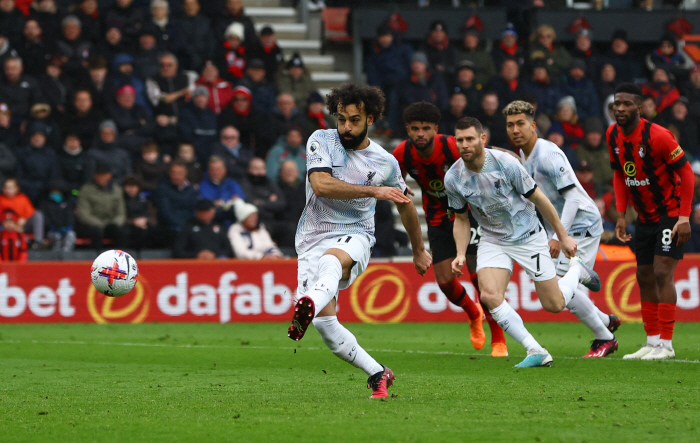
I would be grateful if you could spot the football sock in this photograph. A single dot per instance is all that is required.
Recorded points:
(496, 331)
(569, 282)
(584, 309)
(344, 344)
(330, 271)
(650, 317)
(455, 293)
(667, 320)
(605, 318)
(653, 340)
(511, 322)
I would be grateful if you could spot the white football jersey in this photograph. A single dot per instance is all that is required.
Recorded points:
(326, 217)
(553, 173)
(497, 196)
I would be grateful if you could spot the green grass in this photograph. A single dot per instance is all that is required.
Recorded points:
(245, 382)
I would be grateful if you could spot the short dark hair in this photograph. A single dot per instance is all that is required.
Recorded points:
(369, 98)
(629, 88)
(132, 180)
(421, 112)
(469, 122)
(646, 97)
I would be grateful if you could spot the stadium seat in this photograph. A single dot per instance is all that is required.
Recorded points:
(335, 24)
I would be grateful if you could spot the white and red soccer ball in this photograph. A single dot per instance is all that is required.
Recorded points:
(114, 273)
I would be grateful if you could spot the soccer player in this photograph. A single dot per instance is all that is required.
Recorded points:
(347, 174)
(426, 156)
(650, 166)
(503, 197)
(554, 175)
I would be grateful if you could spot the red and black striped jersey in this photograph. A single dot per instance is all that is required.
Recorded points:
(13, 246)
(649, 158)
(429, 173)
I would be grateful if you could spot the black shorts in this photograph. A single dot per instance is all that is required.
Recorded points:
(442, 241)
(655, 239)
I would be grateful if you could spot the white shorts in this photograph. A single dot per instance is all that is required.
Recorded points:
(533, 256)
(357, 247)
(586, 250)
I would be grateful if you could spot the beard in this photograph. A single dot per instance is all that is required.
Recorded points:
(354, 141)
(428, 143)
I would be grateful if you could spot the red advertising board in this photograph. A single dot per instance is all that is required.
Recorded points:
(259, 291)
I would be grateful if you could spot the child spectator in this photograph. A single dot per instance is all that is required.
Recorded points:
(60, 217)
(186, 154)
(140, 213)
(249, 239)
(150, 169)
(28, 218)
(13, 243)
(568, 118)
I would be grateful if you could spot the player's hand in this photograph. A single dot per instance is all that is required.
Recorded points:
(554, 248)
(621, 230)
(568, 246)
(422, 260)
(410, 191)
(682, 228)
(458, 264)
(391, 194)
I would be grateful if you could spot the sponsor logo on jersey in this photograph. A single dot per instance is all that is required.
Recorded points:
(630, 169)
(314, 146)
(313, 159)
(633, 182)
(676, 152)
(642, 151)
(436, 185)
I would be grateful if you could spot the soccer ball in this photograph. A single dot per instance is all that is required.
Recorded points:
(114, 273)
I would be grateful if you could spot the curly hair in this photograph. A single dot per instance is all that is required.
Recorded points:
(368, 98)
(421, 112)
(629, 88)
(520, 107)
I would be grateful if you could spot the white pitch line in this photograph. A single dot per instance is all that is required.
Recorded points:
(289, 348)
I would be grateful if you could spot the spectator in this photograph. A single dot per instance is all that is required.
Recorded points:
(231, 54)
(284, 115)
(101, 212)
(508, 48)
(233, 13)
(693, 244)
(249, 239)
(11, 21)
(691, 90)
(127, 16)
(134, 125)
(293, 188)
(507, 85)
(202, 238)
(661, 89)
(73, 163)
(262, 191)
(167, 36)
(166, 133)
(268, 51)
(442, 56)
(547, 93)
(234, 154)
(556, 136)
(567, 117)
(112, 44)
(695, 165)
(82, 119)
(387, 66)
(123, 75)
(543, 45)
(195, 29)
(458, 106)
(140, 214)
(146, 57)
(649, 110)
(197, 123)
(465, 84)
(73, 47)
(8, 162)
(495, 121)
(484, 67)
(256, 81)
(150, 169)
(89, 16)
(107, 151)
(13, 242)
(292, 149)
(9, 134)
(219, 188)
(32, 48)
(220, 91)
(168, 89)
(46, 13)
(186, 154)
(387, 236)
(593, 149)
(56, 86)
(587, 53)
(19, 91)
(36, 163)
(607, 81)
(678, 120)
(60, 217)
(608, 110)
(258, 130)
(101, 90)
(667, 56)
(584, 174)
(423, 85)
(5, 48)
(626, 62)
(175, 200)
(317, 118)
(582, 90)
(28, 218)
(296, 80)
(41, 113)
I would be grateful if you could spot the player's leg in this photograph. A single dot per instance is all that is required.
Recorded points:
(498, 339)
(664, 268)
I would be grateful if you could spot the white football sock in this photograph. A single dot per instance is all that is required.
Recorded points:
(513, 324)
(344, 345)
(654, 340)
(668, 344)
(584, 309)
(605, 318)
(569, 282)
(330, 271)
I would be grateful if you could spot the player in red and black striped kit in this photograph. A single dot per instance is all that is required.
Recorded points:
(651, 168)
(426, 156)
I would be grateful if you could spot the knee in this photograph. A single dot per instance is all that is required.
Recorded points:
(662, 276)
(646, 278)
(554, 306)
(490, 299)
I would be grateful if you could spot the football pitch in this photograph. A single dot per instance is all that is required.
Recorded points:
(250, 383)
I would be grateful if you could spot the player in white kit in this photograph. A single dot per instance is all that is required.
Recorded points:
(346, 174)
(554, 175)
(502, 197)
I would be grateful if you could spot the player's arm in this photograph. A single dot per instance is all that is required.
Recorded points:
(421, 257)
(327, 186)
(568, 244)
(462, 231)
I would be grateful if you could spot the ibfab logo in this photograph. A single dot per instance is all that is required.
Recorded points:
(631, 171)
(633, 182)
